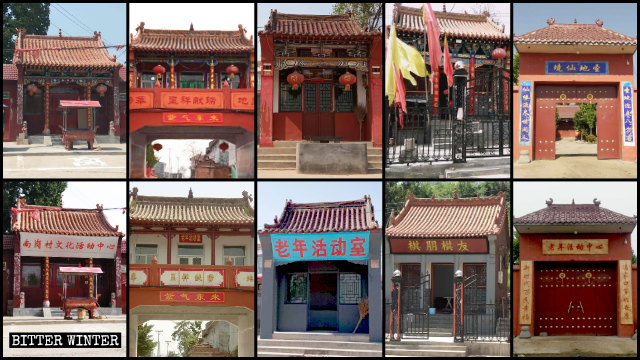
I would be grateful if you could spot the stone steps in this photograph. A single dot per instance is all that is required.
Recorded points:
(422, 349)
(282, 156)
(487, 172)
(317, 345)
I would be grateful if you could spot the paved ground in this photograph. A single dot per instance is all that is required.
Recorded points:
(576, 167)
(65, 326)
(575, 346)
(91, 165)
(569, 146)
(11, 149)
(292, 174)
(490, 167)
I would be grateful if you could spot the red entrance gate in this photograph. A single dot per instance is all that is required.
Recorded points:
(317, 118)
(575, 299)
(608, 128)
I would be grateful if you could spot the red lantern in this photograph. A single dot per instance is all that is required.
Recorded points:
(224, 146)
(347, 79)
(498, 53)
(159, 70)
(32, 89)
(232, 70)
(101, 89)
(295, 79)
(157, 146)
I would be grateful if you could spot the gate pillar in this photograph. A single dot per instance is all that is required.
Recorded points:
(458, 330)
(394, 315)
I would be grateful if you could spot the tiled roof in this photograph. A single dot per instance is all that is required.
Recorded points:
(356, 215)
(62, 221)
(314, 25)
(567, 111)
(574, 214)
(450, 24)
(585, 34)
(450, 217)
(77, 51)
(190, 210)
(203, 41)
(9, 72)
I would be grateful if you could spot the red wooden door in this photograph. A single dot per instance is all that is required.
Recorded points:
(575, 299)
(608, 123)
(544, 147)
(75, 285)
(310, 114)
(325, 112)
(56, 118)
(31, 279)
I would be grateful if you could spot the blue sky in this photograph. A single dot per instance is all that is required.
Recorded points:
(272, 195)
(109, 194)
(83, 19)
(621, 18)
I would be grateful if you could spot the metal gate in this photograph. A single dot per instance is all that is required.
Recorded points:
(414, 304)
(476, 124)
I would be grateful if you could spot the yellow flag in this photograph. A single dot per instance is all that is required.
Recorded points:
(407, 60)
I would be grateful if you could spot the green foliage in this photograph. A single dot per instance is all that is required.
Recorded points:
(585, 119)
(31, 16)
(369, 14)
(516, 68)
(557, 118)
(634, 259)
(515, 251)
(145, 340)
(46, 193)
(152, 159)
(591, 139)
(187, 334)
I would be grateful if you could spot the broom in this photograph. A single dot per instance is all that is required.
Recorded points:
(363, 309)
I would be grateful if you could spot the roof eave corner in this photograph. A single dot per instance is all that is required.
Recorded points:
(247, 199)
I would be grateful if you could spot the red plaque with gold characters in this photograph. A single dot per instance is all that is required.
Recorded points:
(192, 100)
(626, 292)
(190, 238)
(192, 296)
(141, 100)
(439, 246)
(526, 291)
(191, 118)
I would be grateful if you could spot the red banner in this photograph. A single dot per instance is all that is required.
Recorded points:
(192, 296)
(192, 100)
(439, 246)
(141, 100)
(191, 238)
(242, 100)
(191, 118)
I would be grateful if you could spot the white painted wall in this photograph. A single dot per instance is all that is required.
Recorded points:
(158, 239)
(236, 240)
(206, 242)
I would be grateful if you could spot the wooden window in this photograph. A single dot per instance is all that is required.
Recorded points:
(190, 254)
(344, 100)
(310, 97)
(350, 288)
(32, 104)
(233, 83)
(297, 288)
(290, 100)
(476, 276)
(148, 80)
(145, 252)
(236, 253)
(325, 97)
(31, 275)
(304, 53)
(71, 279)
(191, 80)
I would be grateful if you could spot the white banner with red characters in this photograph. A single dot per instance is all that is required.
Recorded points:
(321, 246)
(52, 245)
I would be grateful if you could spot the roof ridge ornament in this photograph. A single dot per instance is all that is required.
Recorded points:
(551, 21)
(596, 202)
(191, 27)
(599, 22)
(549, 202)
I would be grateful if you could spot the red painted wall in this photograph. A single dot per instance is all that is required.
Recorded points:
(345, 124)
(11, 128)
(516, 300)
(565, 130)
(287, 126)
(532, 67)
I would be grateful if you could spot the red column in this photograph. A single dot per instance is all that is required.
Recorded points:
(118, 274)
(266, 111)
(116, 101)
(212, 235)
(19, 101)
(436, 89)
(173, 75)
(17, 268)
(169, 236)
(375, 86)
(472, 75)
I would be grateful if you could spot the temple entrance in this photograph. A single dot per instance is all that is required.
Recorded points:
(552, 99)
(442, 287)
(575, 299)
(317, 118)
(73, 118)
(323, 305)
(76, 286)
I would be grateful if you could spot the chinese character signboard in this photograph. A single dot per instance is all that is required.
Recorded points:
(575, 247)
(577, 67)
(625, 301)
(52, 245)
(439, 246)
(242, 100)
(140, 100)
(321, 246)
(192, 100)
(525, 112)
(192, 296)
(243, 279)
(526, 291)
(183, 277)
(190, 238)
(139, 277)
(191, 118)
(627, 114)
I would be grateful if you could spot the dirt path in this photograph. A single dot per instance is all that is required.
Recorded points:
(576, 167)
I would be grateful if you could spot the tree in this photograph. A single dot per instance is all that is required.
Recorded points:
(515, 252)
(366, 15)
(46, 193)
(634, 259)
(31, 16)
(516, 68)
(187, 334)
(146, 345)
(584, 119)
(152, 159)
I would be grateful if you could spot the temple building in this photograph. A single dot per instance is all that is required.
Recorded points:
(570, 64)
(49, 69)
(47, 238)
(432, 240)
(576, 275)
(321, 268)
(321, 76)
(192, 259)
(471, 38)
(191, 84)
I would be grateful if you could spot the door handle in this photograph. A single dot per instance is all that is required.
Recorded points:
(581, 308)
(569, 309)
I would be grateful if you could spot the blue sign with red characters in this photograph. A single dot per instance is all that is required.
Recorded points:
(321, 246)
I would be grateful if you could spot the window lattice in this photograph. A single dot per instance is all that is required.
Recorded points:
(350, 288)
(290, 100)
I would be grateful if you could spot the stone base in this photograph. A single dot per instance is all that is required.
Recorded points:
(327, 158)
(635, 335)
(524, 157)
(22, 140)
(524, 332)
